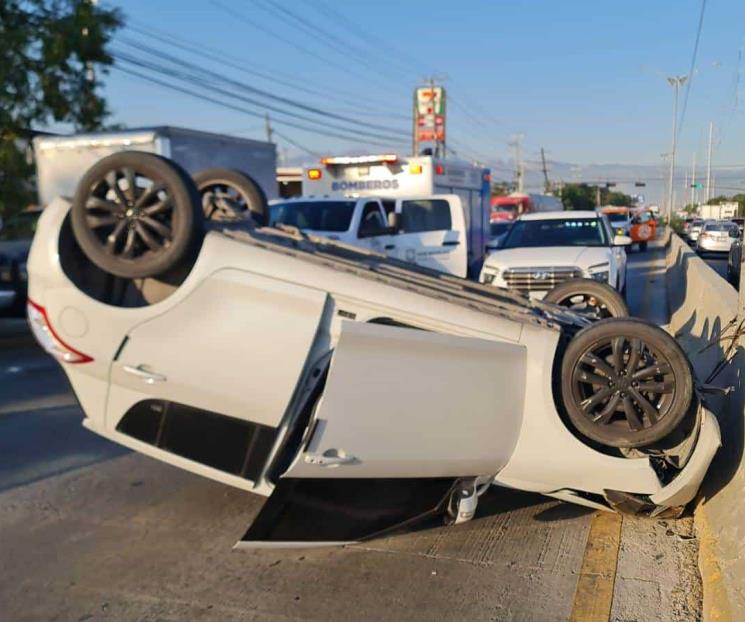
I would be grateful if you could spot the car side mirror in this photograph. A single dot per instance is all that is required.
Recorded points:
(621, 240)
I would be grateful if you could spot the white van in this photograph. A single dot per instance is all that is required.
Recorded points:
(392, 176)
(429, 231)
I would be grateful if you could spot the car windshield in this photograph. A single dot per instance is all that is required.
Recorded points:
(619, 222)
(20, 227)
(556, 232)
(721, 226)
(506, 208)
(314, 215)
(499, 227)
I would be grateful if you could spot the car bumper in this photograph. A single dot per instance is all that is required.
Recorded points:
(684, 487)
(714, 246)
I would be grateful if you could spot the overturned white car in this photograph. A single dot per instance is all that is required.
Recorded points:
(357, 391)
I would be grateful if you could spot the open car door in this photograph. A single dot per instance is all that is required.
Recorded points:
(433, 233)
(407, 418)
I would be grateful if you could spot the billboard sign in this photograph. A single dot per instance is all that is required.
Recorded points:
(429, 111)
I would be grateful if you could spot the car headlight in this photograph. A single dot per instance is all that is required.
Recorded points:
(599, 272)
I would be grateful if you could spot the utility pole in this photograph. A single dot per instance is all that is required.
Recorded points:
(676, 82)
(708, 163)
(693, 180)
(269, 130)
(516, 143)
(597, 196)
(546, 182)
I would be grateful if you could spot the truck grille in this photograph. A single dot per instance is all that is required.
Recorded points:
(539, 279)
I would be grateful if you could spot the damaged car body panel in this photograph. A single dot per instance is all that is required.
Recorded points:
(358, 392)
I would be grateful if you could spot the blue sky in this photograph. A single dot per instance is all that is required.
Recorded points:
(584, 79)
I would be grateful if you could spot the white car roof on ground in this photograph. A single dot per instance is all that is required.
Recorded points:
(560, 215)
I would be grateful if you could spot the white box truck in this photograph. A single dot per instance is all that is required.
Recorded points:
(62, 160)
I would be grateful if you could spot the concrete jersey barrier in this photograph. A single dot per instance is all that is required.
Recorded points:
(703, 307)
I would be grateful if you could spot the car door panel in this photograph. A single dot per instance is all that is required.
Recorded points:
(423, 243)
(217, 349)
(402, 402)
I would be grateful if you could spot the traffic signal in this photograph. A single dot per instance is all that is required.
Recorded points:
(639, 184)
(610, 184)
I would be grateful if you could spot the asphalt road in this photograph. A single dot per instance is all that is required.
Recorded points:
(89, 531)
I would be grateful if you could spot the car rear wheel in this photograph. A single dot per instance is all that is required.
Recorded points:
(587, 297)
(230, 195)
(625, 383)
(136, 215)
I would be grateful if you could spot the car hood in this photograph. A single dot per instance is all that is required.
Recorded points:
(547, 256)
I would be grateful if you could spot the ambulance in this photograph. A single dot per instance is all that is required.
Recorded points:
(426, 210)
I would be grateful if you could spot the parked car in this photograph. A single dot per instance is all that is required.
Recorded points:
(15, 242)
(740, 222)
(357, 391)
(543, 250)
(734, 262)
(717, 237)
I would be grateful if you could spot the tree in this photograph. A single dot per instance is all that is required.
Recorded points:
(51, 55)
(584, 197)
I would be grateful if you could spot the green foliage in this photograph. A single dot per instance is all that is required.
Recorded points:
(676, 223)
(51, 57)
(584, 197)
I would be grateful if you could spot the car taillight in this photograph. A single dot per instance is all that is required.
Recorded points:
(49, 339)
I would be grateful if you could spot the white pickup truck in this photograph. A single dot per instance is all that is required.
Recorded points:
(543, 250)
(430, 231)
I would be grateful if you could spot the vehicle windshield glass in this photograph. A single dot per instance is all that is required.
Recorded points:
(720, 226)
(20, 227)
(508, 208)
(556, 232)
(499, 227)
(314, 215)
(619, 222)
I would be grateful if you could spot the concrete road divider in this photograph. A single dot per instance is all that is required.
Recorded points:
(703, 317)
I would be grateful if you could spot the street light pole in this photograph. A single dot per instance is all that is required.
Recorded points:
(676, 82)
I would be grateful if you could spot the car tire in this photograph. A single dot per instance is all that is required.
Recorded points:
(589, 297)
(136, 231)
(229, 195)
(642, 246)
(625, 383)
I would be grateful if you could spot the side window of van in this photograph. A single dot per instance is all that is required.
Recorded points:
(425, 215)
(372, 222)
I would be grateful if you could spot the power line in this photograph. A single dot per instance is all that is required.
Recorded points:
(289, 41)
(291, 82)
(192, 79)
(296, 144)
(693, 65)
(240, 109)
(260, 92)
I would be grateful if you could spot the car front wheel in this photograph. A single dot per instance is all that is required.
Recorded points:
(625, 383)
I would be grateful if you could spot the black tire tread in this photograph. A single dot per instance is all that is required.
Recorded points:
(652, 335)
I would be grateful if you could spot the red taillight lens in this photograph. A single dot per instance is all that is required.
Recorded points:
(49, 339)
(439, 169)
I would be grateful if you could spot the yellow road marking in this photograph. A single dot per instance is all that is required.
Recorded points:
(594, 596)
